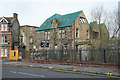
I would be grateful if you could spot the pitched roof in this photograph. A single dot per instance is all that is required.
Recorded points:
(91, 23)
(64, 21)
(9, 19)
(101, 25)
(29, 26)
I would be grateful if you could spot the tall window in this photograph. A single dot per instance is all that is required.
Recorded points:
(2, 52)
(77, 48)
(4, 39)
(4, 27)
(62, 34)
(5, 52)
(87, 36)
(45, 35)
(21, 39)
(76, 32)
(48, 35)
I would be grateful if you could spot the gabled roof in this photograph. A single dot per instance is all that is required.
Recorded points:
(91, 23)
(64, 21)
(101, 25)
(9, 19)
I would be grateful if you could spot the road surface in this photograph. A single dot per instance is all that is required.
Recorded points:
(16, 72)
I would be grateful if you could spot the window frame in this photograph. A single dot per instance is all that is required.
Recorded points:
(4, 27)
(48, 35)
(4, 39)
(6, 51)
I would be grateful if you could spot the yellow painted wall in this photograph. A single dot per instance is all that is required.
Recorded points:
(13, 54)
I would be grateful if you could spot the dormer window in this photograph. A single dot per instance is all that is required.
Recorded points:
(54, 23)
(82, 20)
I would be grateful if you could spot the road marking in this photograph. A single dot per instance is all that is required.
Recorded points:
(13, 72)
(27, 74)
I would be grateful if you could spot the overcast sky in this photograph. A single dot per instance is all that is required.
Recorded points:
(35, 12)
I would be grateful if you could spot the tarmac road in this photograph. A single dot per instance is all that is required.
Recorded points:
(18, 72)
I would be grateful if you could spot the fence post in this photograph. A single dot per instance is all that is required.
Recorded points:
(104, 57)
(33, 55)
(80, 55)
(61, 54)
(46, 55)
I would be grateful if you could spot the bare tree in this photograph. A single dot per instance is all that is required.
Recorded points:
(110, 18)
(98, 14)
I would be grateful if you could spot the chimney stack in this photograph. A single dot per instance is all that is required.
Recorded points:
(15, 15)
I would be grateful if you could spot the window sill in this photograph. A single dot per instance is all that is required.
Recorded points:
(3, 43)
(3, 56)
(4, 30)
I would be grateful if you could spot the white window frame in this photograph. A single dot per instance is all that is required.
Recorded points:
(2, 27)
(2, 51)
(5, 27)
(5, 52)
(45, 35)
(48, 35)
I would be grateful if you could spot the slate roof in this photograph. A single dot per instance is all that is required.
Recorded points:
(64, 21)
(91, 23)
(100, 25)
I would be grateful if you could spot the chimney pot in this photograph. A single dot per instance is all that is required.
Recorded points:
(15, 15)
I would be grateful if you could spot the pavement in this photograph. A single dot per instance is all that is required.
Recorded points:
(70, 68)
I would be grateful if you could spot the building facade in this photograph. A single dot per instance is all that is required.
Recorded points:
(99, 35)
(28, 37)
(9, 34)
(69, 31)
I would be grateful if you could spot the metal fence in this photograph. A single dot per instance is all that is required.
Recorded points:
(93, 55)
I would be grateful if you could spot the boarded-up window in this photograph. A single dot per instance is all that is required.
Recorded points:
(95, 34)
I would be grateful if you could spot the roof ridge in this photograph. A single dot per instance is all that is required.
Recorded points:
(6, 17)
(73, 13)
(91, 23)
(65, 20)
